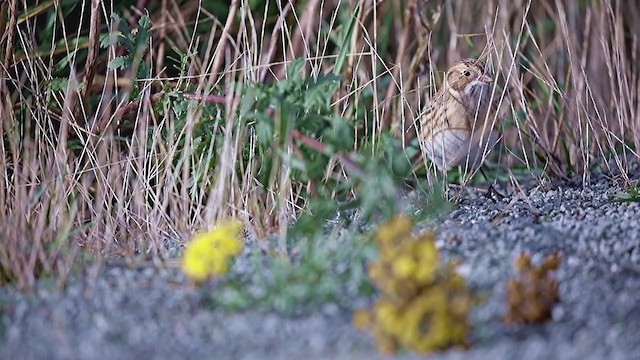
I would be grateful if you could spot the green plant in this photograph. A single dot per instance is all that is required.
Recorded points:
(631, 195)
(135, 44)
(299, 136)
(297, 129)
(320, 271)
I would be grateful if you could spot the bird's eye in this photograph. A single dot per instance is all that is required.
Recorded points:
(466, 73)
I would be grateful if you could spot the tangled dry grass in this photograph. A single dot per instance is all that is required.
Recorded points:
(93, 158)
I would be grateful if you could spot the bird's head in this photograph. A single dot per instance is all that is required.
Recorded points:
(465, 75)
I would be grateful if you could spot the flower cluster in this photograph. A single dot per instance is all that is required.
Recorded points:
(531, 297)
(210, 253)
(424, 306)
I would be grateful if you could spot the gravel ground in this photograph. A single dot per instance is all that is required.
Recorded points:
(145, 312)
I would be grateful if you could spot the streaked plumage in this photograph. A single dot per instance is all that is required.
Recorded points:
(456, 124)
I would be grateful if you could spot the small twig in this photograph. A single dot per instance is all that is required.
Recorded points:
(217, 99)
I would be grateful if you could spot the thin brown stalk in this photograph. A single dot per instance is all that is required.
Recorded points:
(94, 48)
(224, 38)
(12, 28)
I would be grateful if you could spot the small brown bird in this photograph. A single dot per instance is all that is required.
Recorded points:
(457, 124)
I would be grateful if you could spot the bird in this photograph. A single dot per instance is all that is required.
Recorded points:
(457, 126)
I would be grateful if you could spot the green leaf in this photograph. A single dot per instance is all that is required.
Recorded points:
(340, 134)
(293, 70)
(119, 62)
(346, 40)
(108, 40)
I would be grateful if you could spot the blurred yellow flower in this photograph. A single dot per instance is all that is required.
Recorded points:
(429, 260)
(404, 266)
(210, 253)
(424, 304)
(394, 230)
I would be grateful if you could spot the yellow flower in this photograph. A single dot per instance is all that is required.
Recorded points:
(386, 314)
(429, 261)
(209, 253)
(404, 266)
(424, 305)
(394, 230)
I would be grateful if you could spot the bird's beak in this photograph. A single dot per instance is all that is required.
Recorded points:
(485, 78)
